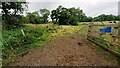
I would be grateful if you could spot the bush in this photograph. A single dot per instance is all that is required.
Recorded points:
(14, 42)
(11, 21)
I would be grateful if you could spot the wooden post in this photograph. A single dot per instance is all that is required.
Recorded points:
(90, 29)
(115, 34)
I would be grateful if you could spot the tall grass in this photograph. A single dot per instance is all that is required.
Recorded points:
(14, 42)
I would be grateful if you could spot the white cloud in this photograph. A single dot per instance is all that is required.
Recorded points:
(91, 8)
(93, 1)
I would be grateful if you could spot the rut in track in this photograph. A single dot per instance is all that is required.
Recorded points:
(66, 51)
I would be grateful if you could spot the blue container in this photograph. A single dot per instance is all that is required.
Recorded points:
(107, 29)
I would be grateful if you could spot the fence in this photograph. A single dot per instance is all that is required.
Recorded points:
(106, 36)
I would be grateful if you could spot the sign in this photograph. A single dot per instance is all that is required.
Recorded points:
(107, 29)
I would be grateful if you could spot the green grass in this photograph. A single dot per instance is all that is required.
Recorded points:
(14, 42)
(107, 55)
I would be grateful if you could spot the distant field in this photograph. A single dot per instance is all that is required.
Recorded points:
(63, 29)
(81, 28)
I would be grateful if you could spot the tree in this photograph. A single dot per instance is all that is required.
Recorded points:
(54, 16)
(118, 17)
(11, 13)
(45, 14)
(66, 16)
(104, 17)
(35, 17)
(89, 19)
(25, 19)
(31, 17)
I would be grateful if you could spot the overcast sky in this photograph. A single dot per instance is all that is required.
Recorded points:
(91, 8)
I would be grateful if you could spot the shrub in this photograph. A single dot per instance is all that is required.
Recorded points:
(14, 42)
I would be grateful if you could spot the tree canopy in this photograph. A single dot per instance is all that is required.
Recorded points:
(45, 14)
(11, 13)
(104, 17)
(38, 17)
(66, 16)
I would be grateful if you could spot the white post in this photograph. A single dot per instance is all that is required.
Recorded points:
(22, 32)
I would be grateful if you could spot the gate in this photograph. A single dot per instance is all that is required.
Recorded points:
(105, 35)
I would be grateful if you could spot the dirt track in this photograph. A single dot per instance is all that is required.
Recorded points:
(67, 51)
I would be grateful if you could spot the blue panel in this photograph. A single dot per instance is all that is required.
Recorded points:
(107, 29)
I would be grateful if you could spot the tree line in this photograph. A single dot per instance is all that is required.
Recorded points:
(67, 16)
(61, 15)
(37, 17)
(104, 17)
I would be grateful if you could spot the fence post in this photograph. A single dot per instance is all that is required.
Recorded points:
(115, 34)
(90, 30)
